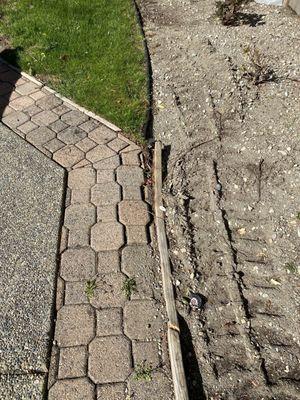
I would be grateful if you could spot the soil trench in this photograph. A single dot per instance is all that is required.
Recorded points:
(226, 104)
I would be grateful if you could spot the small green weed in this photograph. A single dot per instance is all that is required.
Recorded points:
(129, 287)
(298, 215)
(257, 71)
(90, 288)
(143, 372)
(291, 267)
(227, 11)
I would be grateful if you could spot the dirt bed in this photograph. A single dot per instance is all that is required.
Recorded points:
(227, 107)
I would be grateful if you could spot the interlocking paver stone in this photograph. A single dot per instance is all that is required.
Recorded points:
(78, 264)
(132, 193)
(54, 145)
(117, 145)
(48, 102)
(104, 194)
(108, 292)
(86, 144)
(21, 102)
(109, 322)
(131, 158)
(107, 236)
(74, 117)
(75, 389)
(109, 359)
(62, 109)
(15, 119)
(89, 125)
(58, 126)
(40, 136)
(44, 118)
(107, 213)
(108, 163)
(71, 135)
(32, 110)
(108, 261)
(82, 178)
(80, 196)
(27, 88)
(79, 236)
(37, 95)
(136, 234)
(102, 135)
(27, 127)
(72, 362)
(99, 153)
(133, 212)
(159, 388)
(130, 175)
(145, 352)
(68, 156)
(75, 293)
(105, 176)
(111, 392)
(142, 320)
(75, 325)
(78, 215)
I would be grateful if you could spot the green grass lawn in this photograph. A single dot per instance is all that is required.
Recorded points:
(88, 50)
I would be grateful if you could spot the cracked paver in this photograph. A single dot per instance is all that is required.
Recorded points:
(101, 336)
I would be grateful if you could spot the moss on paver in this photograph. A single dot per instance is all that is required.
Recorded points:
(91, 51)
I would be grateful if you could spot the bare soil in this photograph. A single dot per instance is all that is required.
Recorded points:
(227, 108)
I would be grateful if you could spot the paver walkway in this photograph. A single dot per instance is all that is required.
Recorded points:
(101, 337)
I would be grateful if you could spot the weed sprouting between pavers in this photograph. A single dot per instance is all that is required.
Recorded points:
(90, 288)
(143, 372)
(129, 287)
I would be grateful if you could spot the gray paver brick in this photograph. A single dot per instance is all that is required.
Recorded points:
(86, 144)
(75, 389)
(75, 325)
(108, 261)
(107, 213)
(74, 117)
(89, 125)
(78, 264)
(58, 126)
(15, 119)
(32, 110)
(132, 193)
(40, 136)
(80, 196)
(79, 236)
(142, 320)
(105, 176)
(108, 292)
(131, 158)
(99, 153)
(71, 135)
(54, 145)
(44, 118)
(104, 194)
(82, 178)
(133, 212)
(159, 388)
(107, 236)
(60, 291)
(102, 135)
(75, 293)
(117, 145)
(136, 234)
(109, 322)
(27, 127)
(109, 359)
(62, 109)
(68, 156)
(112, 392)
(145, 352)
(72, 362)
(27, 88)
(80, 215)
(108, 163)
(130, 175)
(37, 95)
(21, 102)
(48, 102)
